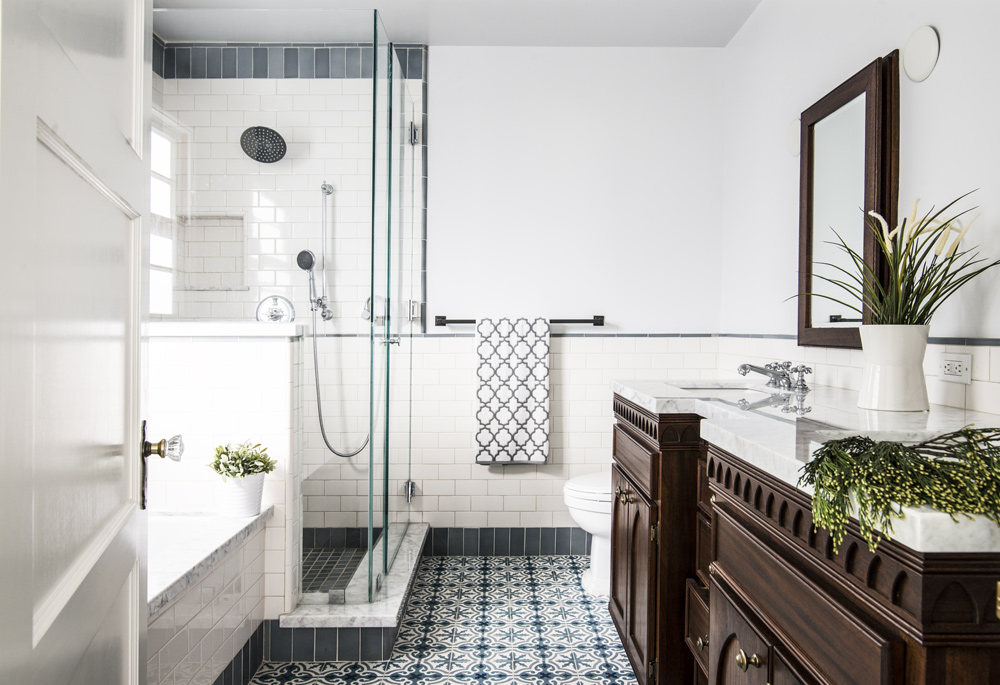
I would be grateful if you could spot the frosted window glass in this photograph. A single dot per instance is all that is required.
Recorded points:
(161, 292)
(159, 154)
(161, 251)
(159, 197)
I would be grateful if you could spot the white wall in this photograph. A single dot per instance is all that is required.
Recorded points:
(791, 53)
(567, 182)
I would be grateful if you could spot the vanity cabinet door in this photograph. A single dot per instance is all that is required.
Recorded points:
(633, 574)
(737, 654)
(619, 557)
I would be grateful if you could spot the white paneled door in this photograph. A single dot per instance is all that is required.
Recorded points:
(74, 186)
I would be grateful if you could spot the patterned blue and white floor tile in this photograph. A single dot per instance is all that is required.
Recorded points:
(489, 620)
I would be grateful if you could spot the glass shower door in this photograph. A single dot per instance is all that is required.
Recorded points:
(379, 338)
(395, 286)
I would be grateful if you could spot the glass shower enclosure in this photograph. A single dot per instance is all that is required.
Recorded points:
(352, 130)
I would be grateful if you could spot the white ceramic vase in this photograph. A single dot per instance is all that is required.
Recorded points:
(893, 377)
(241, 497)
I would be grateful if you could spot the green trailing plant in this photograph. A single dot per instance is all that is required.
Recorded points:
(242, 460)
(957, 473)
(926, 265)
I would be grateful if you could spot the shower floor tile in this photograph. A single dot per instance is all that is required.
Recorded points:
(502, 620)
(325, 569)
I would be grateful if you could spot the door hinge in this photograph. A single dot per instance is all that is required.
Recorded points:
(652, 670)
(654, 532)
(414, 134)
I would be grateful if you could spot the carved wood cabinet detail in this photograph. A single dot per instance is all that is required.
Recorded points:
(719, 577)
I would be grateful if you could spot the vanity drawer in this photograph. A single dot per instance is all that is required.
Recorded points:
(636, 460)
(811, 621)
(696, 622)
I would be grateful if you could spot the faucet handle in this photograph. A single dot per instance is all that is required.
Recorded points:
(800, 381)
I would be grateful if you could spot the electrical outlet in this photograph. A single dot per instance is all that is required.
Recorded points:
(955, 368)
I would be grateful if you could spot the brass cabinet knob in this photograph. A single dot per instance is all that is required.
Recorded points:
(618, 493)
(744, 662)
(712, 499)
(701, 643)
(711, 569)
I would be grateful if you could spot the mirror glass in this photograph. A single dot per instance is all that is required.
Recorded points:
(838, 196)
(849, 151)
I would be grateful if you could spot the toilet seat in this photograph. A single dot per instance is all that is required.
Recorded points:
(594, 487)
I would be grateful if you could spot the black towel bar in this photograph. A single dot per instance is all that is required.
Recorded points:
(595, 321)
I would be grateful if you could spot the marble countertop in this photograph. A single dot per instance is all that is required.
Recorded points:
(184, 548)
(780, 443)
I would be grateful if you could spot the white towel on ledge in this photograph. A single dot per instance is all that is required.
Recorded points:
(513, 391)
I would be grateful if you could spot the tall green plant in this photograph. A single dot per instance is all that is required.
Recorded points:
(923, 271)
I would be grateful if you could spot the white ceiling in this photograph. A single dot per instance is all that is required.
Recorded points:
(556, 23)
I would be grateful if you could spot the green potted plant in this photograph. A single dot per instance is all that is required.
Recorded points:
(926, 264)
(242, 468)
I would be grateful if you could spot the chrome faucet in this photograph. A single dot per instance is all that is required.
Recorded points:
(777, 373)
(780, 375)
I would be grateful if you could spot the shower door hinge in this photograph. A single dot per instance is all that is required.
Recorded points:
(652, 671)
(410, 490)
(414, 134)
(416, 310)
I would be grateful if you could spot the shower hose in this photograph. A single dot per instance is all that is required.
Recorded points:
(319, 404)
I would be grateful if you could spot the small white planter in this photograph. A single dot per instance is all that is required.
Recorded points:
(893, 377)
(241, 497)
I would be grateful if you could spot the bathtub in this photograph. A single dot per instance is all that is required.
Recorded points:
(205, 590)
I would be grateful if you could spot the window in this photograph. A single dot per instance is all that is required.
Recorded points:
(161, 241)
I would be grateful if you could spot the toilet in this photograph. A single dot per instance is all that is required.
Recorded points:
(589, 500)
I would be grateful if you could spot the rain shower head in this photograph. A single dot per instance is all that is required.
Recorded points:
(306, 260)
(263, 144)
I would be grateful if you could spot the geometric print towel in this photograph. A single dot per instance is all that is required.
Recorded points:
(513, 391)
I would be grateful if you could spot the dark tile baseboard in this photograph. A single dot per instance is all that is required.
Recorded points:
(501, 542)
(336, 537)
(327, 644)
(245, 664)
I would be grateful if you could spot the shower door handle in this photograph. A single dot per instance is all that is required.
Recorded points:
(391, 341)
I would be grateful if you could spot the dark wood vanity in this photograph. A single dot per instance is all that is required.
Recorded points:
(718, 577)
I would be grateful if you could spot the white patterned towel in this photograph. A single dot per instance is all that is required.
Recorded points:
(513, 391)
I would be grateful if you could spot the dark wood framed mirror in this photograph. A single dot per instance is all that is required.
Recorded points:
(849, 161)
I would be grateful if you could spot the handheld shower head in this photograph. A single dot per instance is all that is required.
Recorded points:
(306, 260)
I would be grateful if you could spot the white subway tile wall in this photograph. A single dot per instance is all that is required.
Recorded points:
(220, 390)
(196, 637)
(452, 490)
(842, 368)
(327, 125)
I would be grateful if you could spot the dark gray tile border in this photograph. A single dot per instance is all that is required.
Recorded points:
(502, 542)
(243, 667)
(327, 644)
(283, 60)
(337, 537)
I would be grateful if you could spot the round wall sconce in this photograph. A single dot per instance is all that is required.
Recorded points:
(920, 55)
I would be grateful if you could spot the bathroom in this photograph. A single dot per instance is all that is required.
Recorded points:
(594, 163)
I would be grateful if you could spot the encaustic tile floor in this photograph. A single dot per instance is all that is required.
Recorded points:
(490, 620)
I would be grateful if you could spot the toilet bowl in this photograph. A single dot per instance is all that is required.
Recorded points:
(589, 501)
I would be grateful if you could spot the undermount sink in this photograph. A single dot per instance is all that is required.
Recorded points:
(694, 386)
